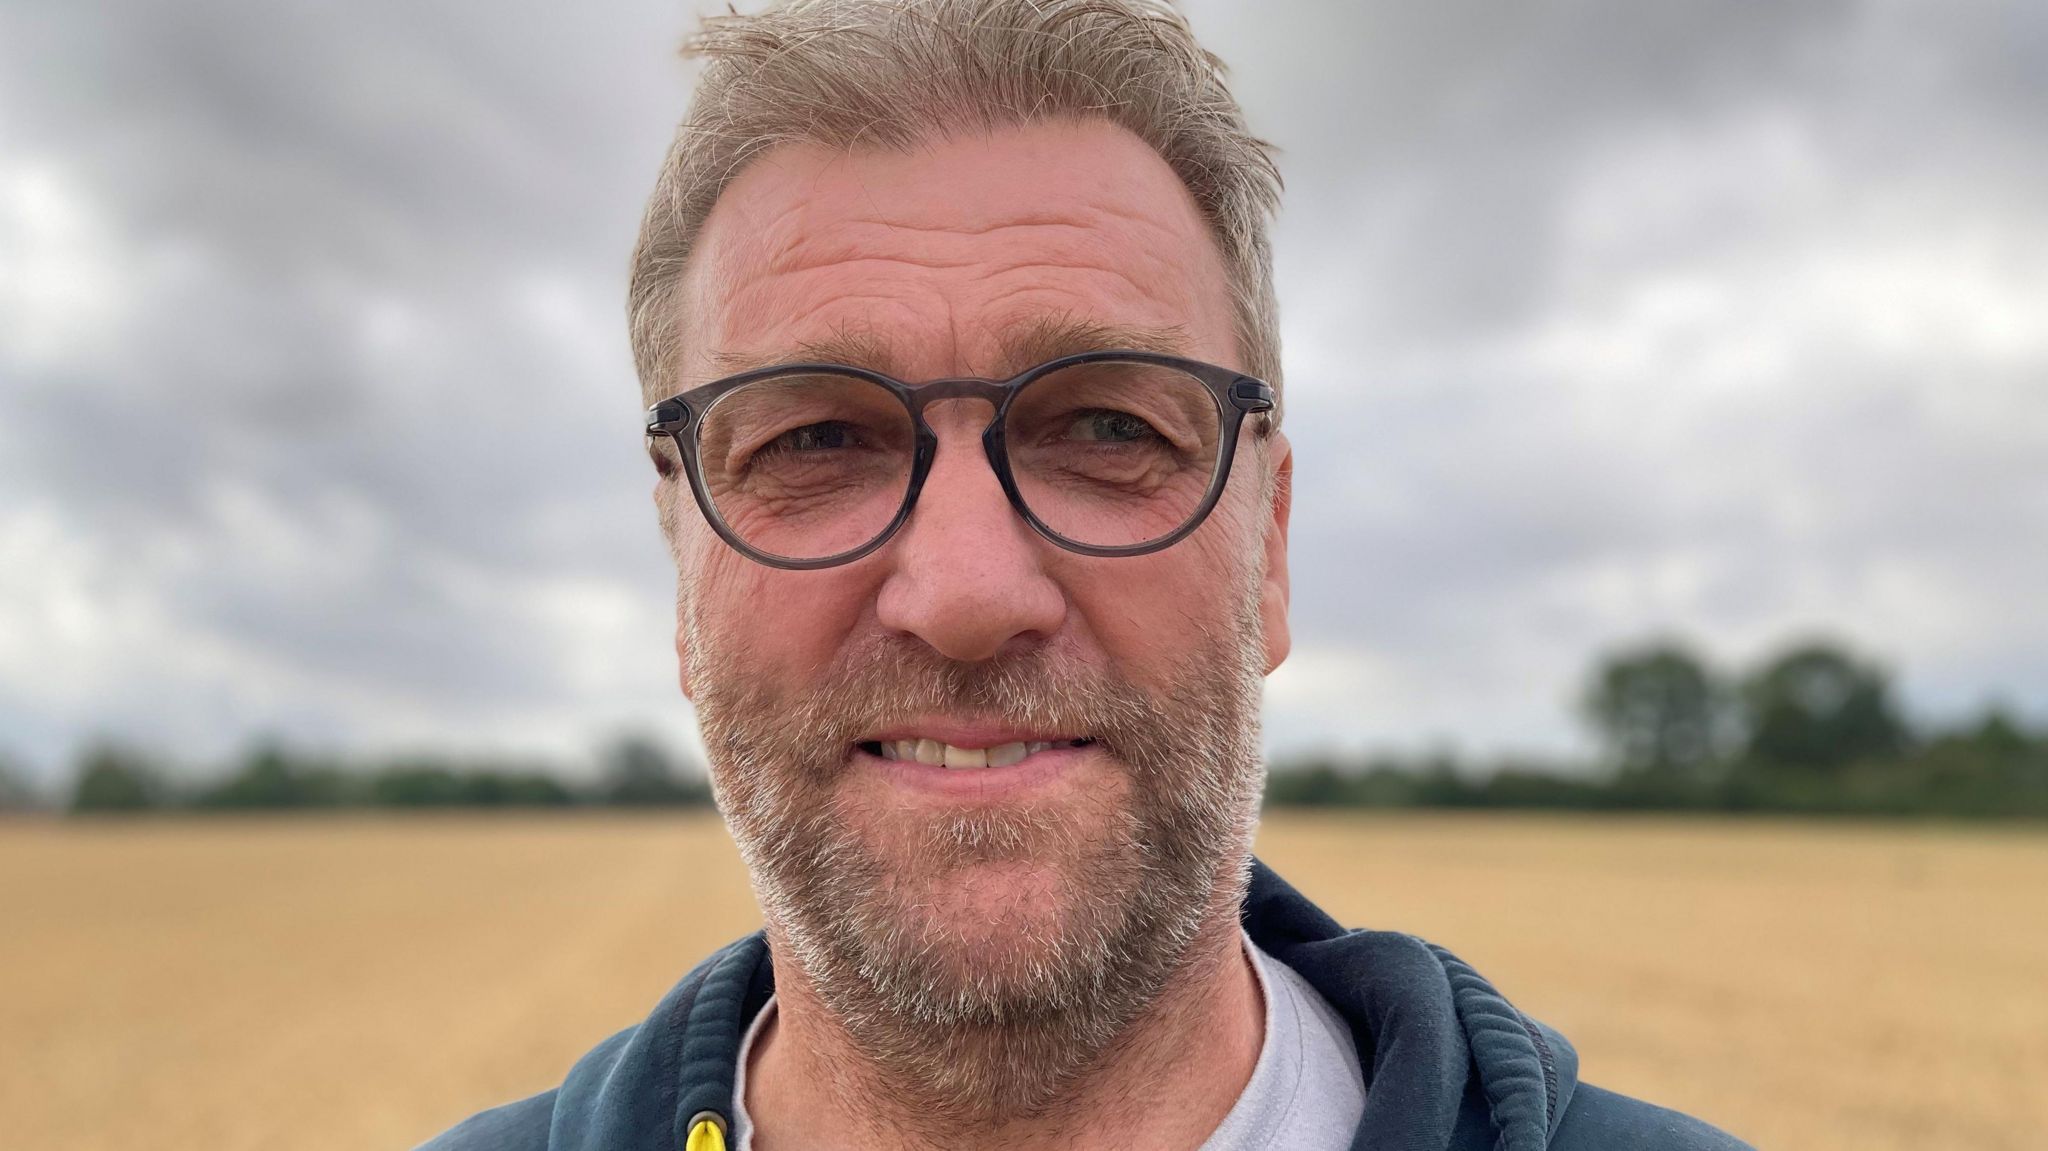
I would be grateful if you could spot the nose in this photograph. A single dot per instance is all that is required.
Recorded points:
(966, 572)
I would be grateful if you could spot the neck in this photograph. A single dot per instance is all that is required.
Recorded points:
(1163, 1085)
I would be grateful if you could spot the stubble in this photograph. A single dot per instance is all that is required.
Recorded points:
(979, 1023)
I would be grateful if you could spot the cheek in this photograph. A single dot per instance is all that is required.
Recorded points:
(1150, 613)
(769, 624)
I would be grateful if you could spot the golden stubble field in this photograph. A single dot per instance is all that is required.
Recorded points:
(362, 983)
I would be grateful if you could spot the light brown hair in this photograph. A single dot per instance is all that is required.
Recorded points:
(889, 73)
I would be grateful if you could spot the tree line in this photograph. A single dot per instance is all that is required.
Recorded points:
(633, 771)
(1813, 729)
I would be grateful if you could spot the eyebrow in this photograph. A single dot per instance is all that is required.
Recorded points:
(849, 346)
(1050, 337)
(1024, 344)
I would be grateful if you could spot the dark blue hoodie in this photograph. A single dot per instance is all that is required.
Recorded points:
(1450, 1065)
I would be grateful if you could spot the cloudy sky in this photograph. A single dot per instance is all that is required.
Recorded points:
(1603, 319)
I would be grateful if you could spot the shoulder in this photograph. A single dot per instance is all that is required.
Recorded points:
(529, 1124)
(629, 1090)
(1598, 1119)
(521, 1126)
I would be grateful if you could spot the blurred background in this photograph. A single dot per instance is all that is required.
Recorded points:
(1669, 391)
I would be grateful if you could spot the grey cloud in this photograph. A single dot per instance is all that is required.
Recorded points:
(1432, 144)
(339, 436)
(1474, 518)
(364, 259)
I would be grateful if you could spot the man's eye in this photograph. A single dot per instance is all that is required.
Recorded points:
(823, 437)
(1101, 425)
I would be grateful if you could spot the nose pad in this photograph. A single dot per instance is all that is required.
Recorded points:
(954, 413)
(948, 477)
(953, 419)
(993, 446)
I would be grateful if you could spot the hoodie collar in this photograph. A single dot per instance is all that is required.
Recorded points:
(1446, 1056)
(1426, 1024)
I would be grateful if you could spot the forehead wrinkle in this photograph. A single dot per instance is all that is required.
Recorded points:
(985, 229)
(782, 261)
(1024, 342)
(849, 342)
(1031, 276)
(1033, 340)
(1066, 247)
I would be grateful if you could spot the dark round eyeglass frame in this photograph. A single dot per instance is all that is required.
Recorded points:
(1235, 394)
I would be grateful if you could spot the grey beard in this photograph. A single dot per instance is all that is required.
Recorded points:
(963, 1035)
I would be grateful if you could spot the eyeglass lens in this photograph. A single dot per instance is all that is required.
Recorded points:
(1106, 454)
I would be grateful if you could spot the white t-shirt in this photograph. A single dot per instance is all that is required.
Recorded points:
(1306, 1092)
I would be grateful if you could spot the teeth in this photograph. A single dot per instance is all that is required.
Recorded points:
(969, 757)
(937, 754)
(1003, 755)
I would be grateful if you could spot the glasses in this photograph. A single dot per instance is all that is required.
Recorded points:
(1111, 453)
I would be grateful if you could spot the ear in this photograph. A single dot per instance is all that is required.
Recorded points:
(1273, 589)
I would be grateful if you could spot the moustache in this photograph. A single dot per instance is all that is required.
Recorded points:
(895, 681)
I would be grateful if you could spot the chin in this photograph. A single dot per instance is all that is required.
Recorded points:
(1002, 905)
(996, 895)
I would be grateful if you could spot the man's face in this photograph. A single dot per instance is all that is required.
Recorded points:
(977, 896)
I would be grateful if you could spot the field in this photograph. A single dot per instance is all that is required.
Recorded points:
(362, 983)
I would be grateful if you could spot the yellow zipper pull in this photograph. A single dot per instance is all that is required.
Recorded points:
(707, 1133)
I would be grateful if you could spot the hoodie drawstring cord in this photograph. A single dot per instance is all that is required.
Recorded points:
(707, 1133)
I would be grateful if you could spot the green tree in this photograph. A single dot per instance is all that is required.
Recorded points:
(1819, 708)
(636, 771)
(417, 784)
(1997, 735)
(16, 794)
(487, 787)
(1317, 784)
(112, 778)
(267, 779)
(1659, 710)
(274, 777)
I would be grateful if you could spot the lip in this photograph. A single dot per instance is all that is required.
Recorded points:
(1033, 773)
(967, 734)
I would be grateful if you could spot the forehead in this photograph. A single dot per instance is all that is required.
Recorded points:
(958, 257)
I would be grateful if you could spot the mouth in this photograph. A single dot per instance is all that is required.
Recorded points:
(980, 756)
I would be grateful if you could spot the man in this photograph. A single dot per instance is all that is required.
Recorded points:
(957, 321)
